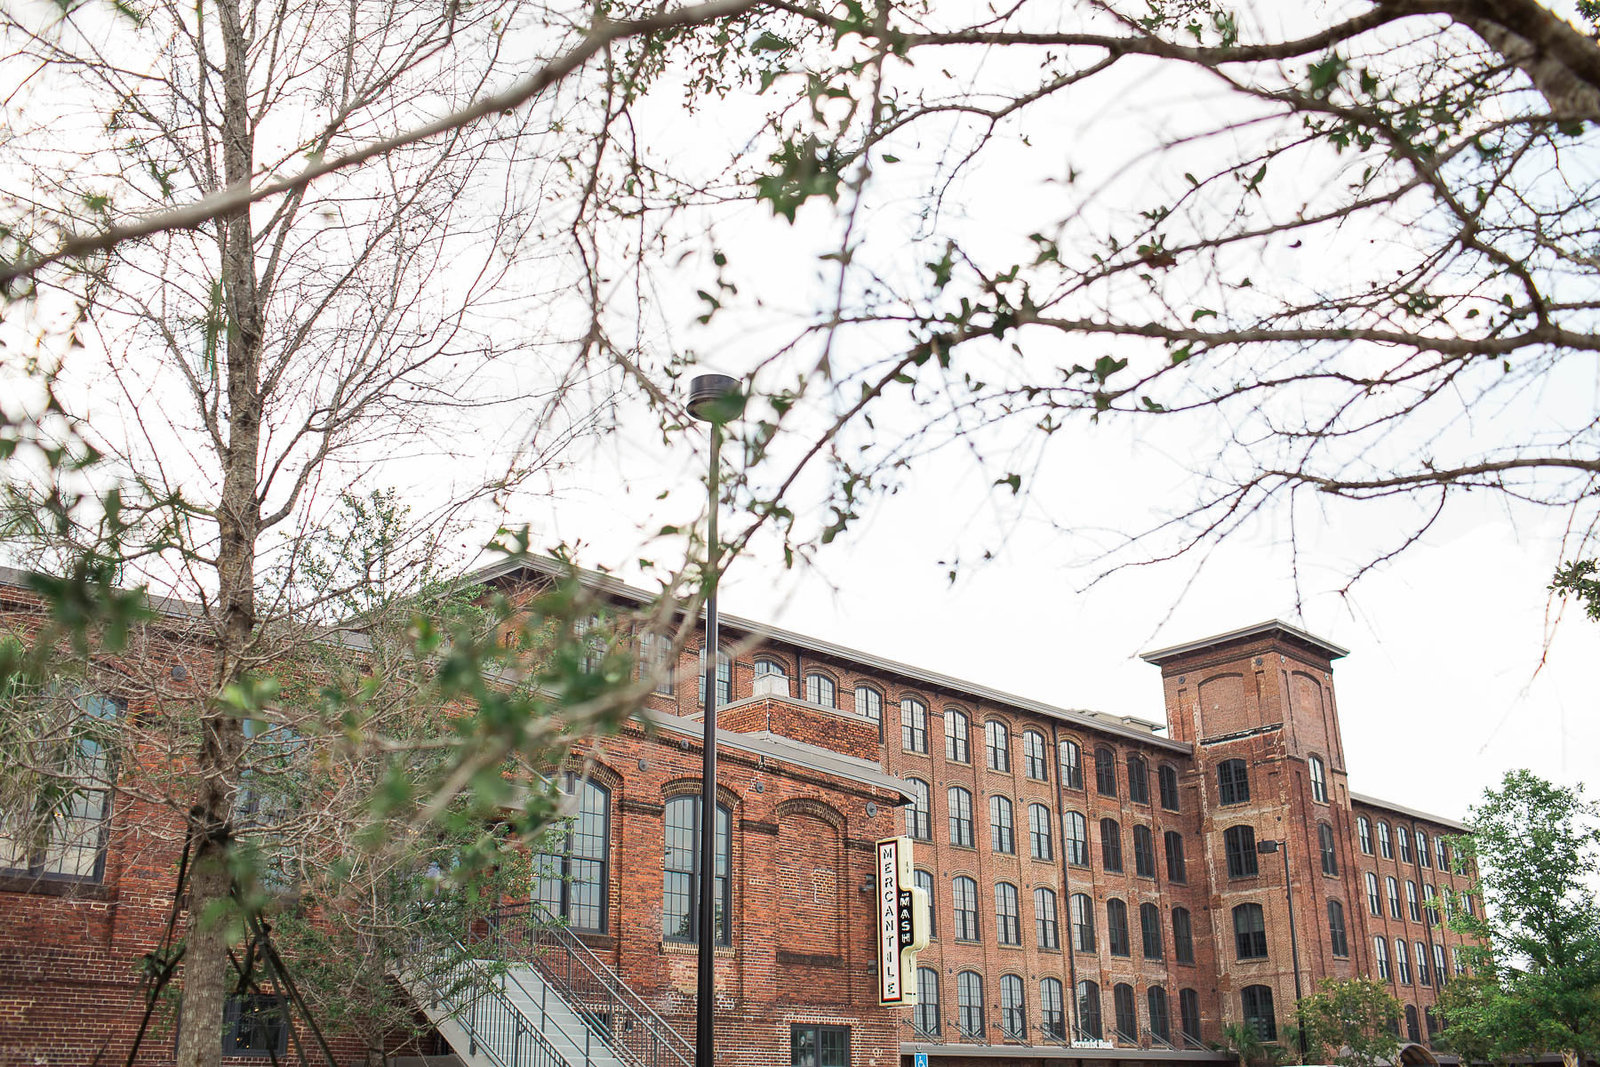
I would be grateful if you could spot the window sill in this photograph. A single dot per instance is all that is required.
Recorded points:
(40, 885)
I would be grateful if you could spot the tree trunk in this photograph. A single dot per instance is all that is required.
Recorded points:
(205, 977)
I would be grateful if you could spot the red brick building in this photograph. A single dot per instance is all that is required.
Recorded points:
(1098, 883)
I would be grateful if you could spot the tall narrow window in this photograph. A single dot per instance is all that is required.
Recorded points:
(1424, 857)
(1258, 1014)
(1127, 1014)
(820, 689)
(924, 881)
(1007, 922)
(1239, 842)
(956, 737)
(1177, 870)
(1105, 771)
(1034, 765)
(1189, 1013)
(919, 817)
(1052, 1016)
(1319, 779)
(997, 745)
(1380, 956)
(869, 704)
(913, 725)
(1402, 841)
(1233, 781)
(1013, 1008)
(1338, 943)
(1249, 932)
(1138, 780)
(1330, 852)
(1160, 1024)
(1144, 852)
(960, 803)
(1430, 904)
(1438, 964)
(724, 679)
(1412, 904)
(570, 878)
(1394, 896)
(1182, 936)
(1442, 850)
(1046, 928)
(1110, 845)
(680, 914)
(1412, 1033)
(1150, 932)
(1422, 964)
(1385, 842)
(1374, 899)
(1117, 928)
(1002, 837)
(59, 830)
(926, 1017)
(1071, 765)
(1364, 834)
(1089, 1009)
(1075, 838)
(1402, 961)
(1039, 846)
(655, 662)
(964, 899)
(1082, 913)
(1167, 780)
(969, 1005)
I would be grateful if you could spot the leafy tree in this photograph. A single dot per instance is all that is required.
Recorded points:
(1534, 962)
(1350, 1022)
(1243, 1041)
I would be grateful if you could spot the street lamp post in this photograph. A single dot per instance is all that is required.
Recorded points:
(713, 399)
(1267, 848)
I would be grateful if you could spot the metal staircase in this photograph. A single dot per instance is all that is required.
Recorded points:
(529, 993)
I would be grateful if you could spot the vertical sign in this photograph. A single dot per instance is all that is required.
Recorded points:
(902, 922)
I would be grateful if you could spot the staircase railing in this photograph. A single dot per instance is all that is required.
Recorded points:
(478, 1002)
(633, 1030)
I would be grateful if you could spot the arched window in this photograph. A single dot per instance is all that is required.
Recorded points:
(1082, 911)
(1319, 779)
(655, 662)
(1430, 904)
(997, 745)
(1001, 836)
(820, 689)
(1258, 1015)
(1364, 834)
(1423, 978)
(924, 881)
(1105, 771)
(1046, 928)
(1233, 781)
(1239, 842)
(1412, 1033)
(1167, 780)
(1075, 838)
(1071, 765)
(1138, 780)
(1039, 846)
(1144, 852)
(926, 1017)
(1007, 922)
(1160, 1025)
(1177, 869)
(724, 679)
(1182, 936)
(964, 899)
(919, 815)
(1440, 976)
(960, 804)
(571, 879)
(1089, 1009)
(869, 704)
(913, 725)
(1385, 843)
(680, 891)
(1150, 931)
(1443, 852)
(1380, 956)
(1402, 961)
(1052, 1015)
(1249, 932)
(1110, 845)
(1330, 853)
(1034, 765)
(1374, 900)
(1127, 1016)
(1424, 857)
(1413, 905)
(1338, 943)
(1189, 1013)
(956, 734)
(771, 677)
(1402, 841)
(1394, 896)
(969, 1004)
(1013, 1008)
(1117, 928)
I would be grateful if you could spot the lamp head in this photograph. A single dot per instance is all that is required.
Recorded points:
(1266, 848)
(715, 398)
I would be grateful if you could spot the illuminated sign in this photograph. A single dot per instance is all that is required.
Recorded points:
(902, 922)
